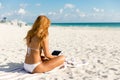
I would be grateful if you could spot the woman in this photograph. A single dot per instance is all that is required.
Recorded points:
(37, 44)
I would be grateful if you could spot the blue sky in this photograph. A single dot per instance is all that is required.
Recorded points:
(62, 10)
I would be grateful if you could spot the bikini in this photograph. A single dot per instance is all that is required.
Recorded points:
(31, 67)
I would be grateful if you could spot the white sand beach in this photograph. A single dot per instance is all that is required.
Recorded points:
(92, 53)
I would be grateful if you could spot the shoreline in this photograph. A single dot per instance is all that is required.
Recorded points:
(88, 24)
(91, 28)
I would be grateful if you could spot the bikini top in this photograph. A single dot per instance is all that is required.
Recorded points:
(29, 50)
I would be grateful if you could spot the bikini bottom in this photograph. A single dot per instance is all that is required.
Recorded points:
(30, 67)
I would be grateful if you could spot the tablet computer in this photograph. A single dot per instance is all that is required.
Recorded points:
(56, 52)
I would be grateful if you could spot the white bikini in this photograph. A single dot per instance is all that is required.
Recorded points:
(31, 67)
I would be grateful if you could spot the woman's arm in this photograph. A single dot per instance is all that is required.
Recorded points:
(46, 48)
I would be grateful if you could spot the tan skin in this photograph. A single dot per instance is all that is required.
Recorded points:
(48, 63)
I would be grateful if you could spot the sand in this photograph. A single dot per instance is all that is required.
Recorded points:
(91, 53)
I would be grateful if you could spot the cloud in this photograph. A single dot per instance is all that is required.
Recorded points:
(98, 10)
(1, 6)
(21, 11)
(69, 6)
(51, 13)
(37, 4)
(9, 14)
(66, 15)
(77, 10)
(82, 15)
(42, 13)
(23, 5)
(61, 11)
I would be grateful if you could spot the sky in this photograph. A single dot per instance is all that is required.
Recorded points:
(59, 11)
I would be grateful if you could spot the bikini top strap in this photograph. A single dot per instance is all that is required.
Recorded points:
(29, 49)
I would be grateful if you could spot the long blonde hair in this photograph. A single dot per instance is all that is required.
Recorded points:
(39, 29)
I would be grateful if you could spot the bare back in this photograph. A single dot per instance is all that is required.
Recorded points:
(35, 53)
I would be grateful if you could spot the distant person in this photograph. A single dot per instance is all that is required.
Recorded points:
(38, 58)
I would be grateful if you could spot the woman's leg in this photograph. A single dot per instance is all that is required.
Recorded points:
(49, 65)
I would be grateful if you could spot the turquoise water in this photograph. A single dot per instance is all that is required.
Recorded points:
(109, 24)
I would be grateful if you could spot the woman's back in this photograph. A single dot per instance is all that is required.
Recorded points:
(33, 51)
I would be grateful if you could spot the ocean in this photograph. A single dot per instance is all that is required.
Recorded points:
(92, 24)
